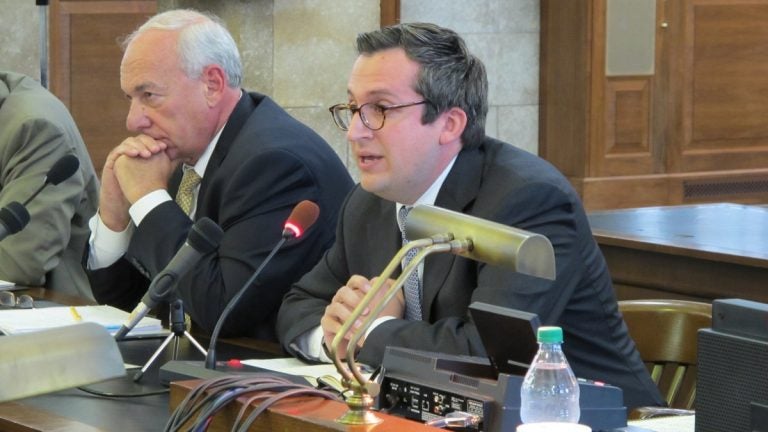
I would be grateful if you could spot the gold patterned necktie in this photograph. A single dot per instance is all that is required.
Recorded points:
(185, 197)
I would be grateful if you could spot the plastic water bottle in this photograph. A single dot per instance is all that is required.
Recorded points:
(550, 392)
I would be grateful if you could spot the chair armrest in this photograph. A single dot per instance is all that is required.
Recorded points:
(651, 412)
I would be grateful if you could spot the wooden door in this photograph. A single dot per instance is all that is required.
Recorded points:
(693, 128)
(85, 65)
(718, 66)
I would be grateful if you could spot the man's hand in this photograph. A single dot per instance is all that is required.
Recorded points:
(139, 176)
(139, 146)
(113, 203)
(345, 301)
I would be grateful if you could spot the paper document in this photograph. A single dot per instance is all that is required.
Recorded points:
(294, 366)
(14, 321)
(5, 285)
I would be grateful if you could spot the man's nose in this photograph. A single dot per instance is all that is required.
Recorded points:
(137, 119)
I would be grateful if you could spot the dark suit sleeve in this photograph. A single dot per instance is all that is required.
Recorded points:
(119, 285)
(250, 201)
(304, 305)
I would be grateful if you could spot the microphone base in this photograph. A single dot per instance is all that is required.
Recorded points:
(180, 370)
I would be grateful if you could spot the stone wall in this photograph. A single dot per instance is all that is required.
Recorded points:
(504, 34)
(300, 52)
(20, 37)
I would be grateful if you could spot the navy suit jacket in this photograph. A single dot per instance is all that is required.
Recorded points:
(264, 163)
(498, 182)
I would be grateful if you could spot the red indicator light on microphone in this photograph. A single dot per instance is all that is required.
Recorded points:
(302, 217)
(294, 228)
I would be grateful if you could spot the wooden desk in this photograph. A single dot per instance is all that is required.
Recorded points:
(300, 414)
(699, 252)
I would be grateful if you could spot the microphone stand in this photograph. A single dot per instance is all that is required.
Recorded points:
(178, 330)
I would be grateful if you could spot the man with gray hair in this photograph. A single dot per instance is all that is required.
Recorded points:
(415, 120)
(243, 161)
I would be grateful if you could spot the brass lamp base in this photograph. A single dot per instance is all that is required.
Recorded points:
(360, 412)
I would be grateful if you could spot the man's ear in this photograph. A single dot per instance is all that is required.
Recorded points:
(454, 122)
(215, 81)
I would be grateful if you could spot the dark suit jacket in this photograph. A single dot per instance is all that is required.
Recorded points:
(263, 165)
(500, 183)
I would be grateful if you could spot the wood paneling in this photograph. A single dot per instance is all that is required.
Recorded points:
(563, 76)
(627, 128)
(725, 80)
(632, 141)
(85, 66)
(390, 12)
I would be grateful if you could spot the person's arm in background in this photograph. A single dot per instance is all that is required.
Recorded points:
(29, 149)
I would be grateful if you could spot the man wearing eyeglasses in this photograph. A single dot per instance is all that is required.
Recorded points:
(415, 120)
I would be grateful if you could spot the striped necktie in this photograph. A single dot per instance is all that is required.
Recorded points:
(412, 284)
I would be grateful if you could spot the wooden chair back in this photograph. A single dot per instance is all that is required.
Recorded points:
(665, 332)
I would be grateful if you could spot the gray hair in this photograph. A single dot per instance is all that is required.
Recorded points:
(203, 40)
(450, 76)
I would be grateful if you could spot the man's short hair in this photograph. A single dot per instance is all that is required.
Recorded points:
(203, 41)
(449, 76)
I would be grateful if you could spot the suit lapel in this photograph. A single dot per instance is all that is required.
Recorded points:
(459, 190)
(385, 238)
(236, 122)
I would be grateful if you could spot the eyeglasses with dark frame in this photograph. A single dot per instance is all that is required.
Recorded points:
(372, 114)
(9, 300)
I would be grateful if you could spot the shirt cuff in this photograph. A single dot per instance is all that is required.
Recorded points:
(377, 322)
(141, 208)
(311, 344)
(106, 246)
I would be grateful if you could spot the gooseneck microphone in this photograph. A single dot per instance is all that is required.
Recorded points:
(301, 218)
(14, 216)
(60, 171)
(204, 237)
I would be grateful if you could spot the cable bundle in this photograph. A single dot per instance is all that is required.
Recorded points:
(211, 395)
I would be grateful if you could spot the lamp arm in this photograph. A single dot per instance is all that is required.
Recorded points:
(366, 300)
(451, 246)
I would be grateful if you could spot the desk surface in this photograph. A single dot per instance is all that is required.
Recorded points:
(699, 252)
(75, 410)
(728, 232)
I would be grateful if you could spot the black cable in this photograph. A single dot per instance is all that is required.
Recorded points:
(200, 396)
(122, 395)
(187, 408)
(210, 396)
(246, 424)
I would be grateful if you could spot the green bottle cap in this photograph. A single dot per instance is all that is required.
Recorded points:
(550, 334)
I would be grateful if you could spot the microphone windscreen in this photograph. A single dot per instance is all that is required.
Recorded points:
(302, 217)
(62, 169)
(14, 216)
(205, 235)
